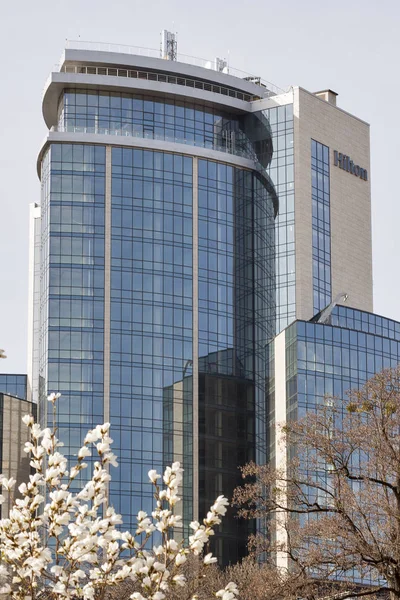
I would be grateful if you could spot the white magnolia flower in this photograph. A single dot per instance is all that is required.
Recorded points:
(36, 431)
(86, 550)
(92, 436)
(179, 579)
(153, 475)
(180, 559)
(5, 589)
(47, 443)
(7, 484)
(84, 452)
(53, 397)
(220, 505)
(172, 545)
(28, 420)
(209, 559)
(229, 592)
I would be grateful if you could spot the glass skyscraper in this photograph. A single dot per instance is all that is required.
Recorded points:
(156, 287)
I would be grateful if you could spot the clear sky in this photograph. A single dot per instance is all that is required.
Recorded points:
(352, 47)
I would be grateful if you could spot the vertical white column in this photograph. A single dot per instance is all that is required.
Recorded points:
(280, 445)
(33, 302)
(107, 284)
(195, 341)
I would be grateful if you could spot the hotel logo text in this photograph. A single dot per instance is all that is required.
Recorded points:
(344, 162)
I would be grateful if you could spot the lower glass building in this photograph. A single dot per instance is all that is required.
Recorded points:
(327, 356)
(14, 385)
(316, 363)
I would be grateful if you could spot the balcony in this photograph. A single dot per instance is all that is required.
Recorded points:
(228, 146)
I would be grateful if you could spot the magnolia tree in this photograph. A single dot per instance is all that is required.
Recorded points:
(56, 543)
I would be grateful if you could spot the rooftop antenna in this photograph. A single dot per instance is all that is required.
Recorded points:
(169, 45)
(220, 65)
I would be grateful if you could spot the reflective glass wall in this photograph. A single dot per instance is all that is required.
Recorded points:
(321, 226)
(281, 171)
(331, 359)
(117, 280)
(151, 322)
(14, 385)
(72, 287)
(236, 319)
(138, 115)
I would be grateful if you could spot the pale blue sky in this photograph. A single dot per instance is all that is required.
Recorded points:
(352, 47)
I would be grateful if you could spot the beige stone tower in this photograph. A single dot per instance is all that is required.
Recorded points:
(316, 117)
(321, 172)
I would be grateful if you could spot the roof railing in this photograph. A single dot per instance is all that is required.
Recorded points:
(183, 58)
(162, 78)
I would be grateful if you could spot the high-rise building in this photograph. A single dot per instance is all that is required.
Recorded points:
(156, 287)
(188, 215)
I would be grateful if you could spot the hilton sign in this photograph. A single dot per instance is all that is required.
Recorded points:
(343, 162)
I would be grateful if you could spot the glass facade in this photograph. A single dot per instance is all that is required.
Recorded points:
(370, 323)
(151, 320)
(72, 287)
(321, 228)
(132, 275)
(236, 319)
(330, 359)
(142, 116)
(14, 385)
(281, 171)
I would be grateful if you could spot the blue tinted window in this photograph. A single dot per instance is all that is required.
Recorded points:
(14, 385)
(321, 241)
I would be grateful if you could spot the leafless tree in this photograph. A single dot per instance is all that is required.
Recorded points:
(332, 508)
(252, 578)
(199, 583)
